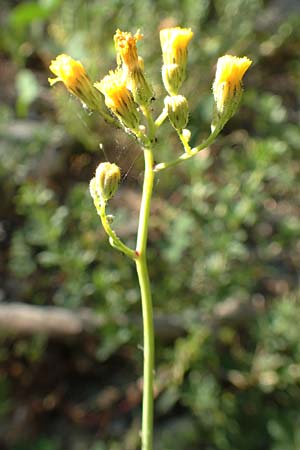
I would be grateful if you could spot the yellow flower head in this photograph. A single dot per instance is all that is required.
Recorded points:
(174, 44)
(74, 76)
(126, 49)
(228, 87)
(132, 66)
(119, 99)
(228, 81)
(67, 70)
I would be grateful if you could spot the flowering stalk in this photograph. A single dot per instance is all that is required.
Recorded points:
(102, 188)
(124, 96)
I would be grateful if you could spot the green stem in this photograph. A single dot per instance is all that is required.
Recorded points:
(151, 125)
(184, 142)
(185, 156)
(161, 118)
(148, 328)
(114, 240)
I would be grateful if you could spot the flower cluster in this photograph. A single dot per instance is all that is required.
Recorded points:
(124, 95)
(120, 92)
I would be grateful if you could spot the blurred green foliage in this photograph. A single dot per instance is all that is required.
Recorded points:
(225, 229)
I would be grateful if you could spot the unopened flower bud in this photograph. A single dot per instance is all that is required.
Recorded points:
(178, 111)
(228, 87)
(106, 182)
(174, 43)
(172, 76)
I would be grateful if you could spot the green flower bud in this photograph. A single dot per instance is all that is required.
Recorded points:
(173, 76)
(178, 111)
(107, 180)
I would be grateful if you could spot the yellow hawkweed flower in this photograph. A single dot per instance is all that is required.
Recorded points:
(67, 70)
(132, 66)
(74, 76)
(126, 48)
(228, 87)
(174, 43)
(119, 99)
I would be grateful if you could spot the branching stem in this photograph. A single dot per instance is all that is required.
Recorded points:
(187, 155)
(113, 238)
(161, 118)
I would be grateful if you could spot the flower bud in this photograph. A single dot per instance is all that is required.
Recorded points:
(172, 77)
(174, 43)
(74, 76)
(106, 182)
(228, 87)
(178, 111)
